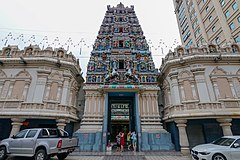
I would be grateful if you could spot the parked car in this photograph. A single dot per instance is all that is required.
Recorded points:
(225, 148)
(40, 143)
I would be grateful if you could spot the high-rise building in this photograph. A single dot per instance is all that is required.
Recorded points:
(121, 91)
(208, 21)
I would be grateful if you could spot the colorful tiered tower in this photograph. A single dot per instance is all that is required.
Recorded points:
(121, 87)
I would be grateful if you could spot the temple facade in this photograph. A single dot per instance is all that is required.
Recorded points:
(200, 90)
(193, 98)
(38, 88)
(121, 90)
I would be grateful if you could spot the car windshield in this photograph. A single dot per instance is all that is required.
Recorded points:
(224, 141)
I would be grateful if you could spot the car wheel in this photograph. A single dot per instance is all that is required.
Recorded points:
(62, 156)
(41, 155)
(3, 153)
(218, 157)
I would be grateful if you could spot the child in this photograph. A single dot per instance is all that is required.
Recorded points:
(118, 141)
(129, 140)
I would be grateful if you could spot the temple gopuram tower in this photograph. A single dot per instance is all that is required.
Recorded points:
(121, 91)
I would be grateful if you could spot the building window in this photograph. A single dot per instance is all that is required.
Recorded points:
(189, 43)
(181, 14)
(186, 36)
(237, 39)
(213, 28)
(197, 32)
(222, 2)
(185, 28)
(207, 9)
(217, 40)
(183, 20)
(227, 14)
(210, 18)
(234, 6)
(231, 26)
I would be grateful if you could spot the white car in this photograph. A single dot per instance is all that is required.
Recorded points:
(225, 148)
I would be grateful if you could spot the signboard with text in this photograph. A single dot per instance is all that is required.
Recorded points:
(119, 111)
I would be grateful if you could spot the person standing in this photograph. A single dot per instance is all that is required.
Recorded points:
(122, 141)
(134, 141)
(118, 141)
(129, 140)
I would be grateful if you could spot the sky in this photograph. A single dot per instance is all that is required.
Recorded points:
(74, 24)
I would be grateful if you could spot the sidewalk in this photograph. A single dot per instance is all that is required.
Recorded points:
(127, 156)
(119, 156)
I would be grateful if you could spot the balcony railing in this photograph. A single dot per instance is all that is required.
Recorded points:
(223, 107)
(46, 109)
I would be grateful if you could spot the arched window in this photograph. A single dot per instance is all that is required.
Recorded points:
(4, 84)
(222, 86)
(73, 93)
(167, 93)
(19, 89)
(29, 51)
(212, 48)
(237, 83)
(187, 86)
(235, 48)
(7, 52)
(53, 90)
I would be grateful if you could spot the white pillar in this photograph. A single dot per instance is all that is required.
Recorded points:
(226, 126)
(175, 99)
(181, 124)
(16, 125)
(65, 91)
(61, 123)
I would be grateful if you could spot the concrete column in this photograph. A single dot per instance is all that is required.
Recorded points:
(105, 123)
(99, 104)
(200, 80)
(147, 104)
(16, 125)
(92, 103)
(138, 121)
(140, 104)
(86, 109)
(61, 123)
(153, 104)
(226, 126)
(144, 104)
(181, 124)
(150, 104)
(102, 105)
(65, 91)
(94, 107)
(175, 96)
(156, 110)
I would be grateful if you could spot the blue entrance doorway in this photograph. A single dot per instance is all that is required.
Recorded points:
(120, 115)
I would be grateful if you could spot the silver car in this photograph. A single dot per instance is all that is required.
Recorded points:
(225, 148)
(40, 143)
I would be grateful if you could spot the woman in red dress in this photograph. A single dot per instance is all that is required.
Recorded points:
(122, 141)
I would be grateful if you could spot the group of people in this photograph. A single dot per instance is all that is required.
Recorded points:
(131, 141)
